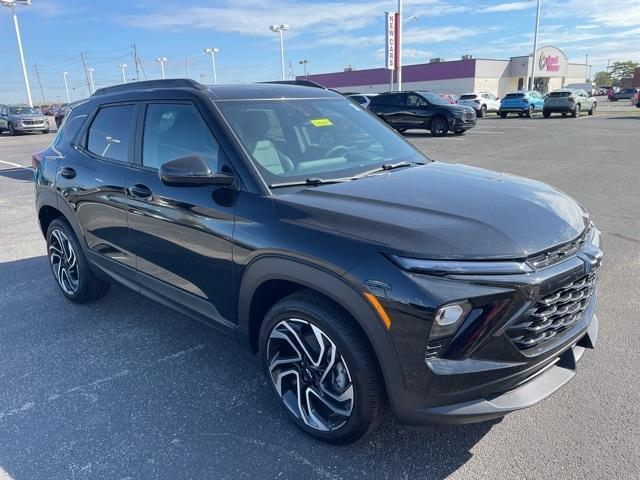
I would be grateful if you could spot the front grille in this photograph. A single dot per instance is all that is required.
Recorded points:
(551, 257)
(554, 313)
(32, 122)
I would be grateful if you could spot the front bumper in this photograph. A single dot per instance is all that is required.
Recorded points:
(539, 386)
(463, 123)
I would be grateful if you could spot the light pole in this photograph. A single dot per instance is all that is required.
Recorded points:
(161, 61)
(535, 47)
(123, 69)
(92, 87)
(212, 52)
(304, 65)
(12, 4)
(66, 86)
(279, 29)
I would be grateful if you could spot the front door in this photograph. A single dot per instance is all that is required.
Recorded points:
(91, 177)
(419, 111)
(181, 235)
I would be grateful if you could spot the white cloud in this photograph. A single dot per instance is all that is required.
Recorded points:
(508, 7)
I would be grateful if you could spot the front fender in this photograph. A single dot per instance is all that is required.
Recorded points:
(336, 287)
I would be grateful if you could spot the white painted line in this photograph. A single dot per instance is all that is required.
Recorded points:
(16, 165)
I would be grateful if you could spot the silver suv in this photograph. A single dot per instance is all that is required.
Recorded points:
(568, 101)
(21, 119)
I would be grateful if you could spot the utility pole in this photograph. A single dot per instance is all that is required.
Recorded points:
(44, 101)
(532, 86)
(86, 72)
(135, 62)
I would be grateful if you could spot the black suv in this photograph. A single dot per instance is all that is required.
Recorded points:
(294, 221)
(405, 110)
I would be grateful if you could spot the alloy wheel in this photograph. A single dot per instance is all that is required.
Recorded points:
(310, 375)
(64, 262)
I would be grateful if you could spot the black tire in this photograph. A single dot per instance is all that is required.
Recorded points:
(12, 131)
(401, 130)
(483, 111)
(529, 112)
(576, 111)
(303, 310)
(81, 285)
(592, 110)
(564, 114)
(503, 114)
(439, 126)
(546, 114)
(45, 131)
(459, 132)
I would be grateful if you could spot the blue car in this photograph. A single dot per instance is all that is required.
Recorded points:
(523, 103)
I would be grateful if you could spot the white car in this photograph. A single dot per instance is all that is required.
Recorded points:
(482, 102)
(362, 99)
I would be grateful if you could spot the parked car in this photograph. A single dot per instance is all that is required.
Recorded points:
(568, 101)
(17, 119)
(360, 271)
(481, 102)
(624, 94)
(59, 114)
(452, 98)
(425, 110)
(524, 103)
(360, 98)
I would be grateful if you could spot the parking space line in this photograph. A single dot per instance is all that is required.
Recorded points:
(16, 165)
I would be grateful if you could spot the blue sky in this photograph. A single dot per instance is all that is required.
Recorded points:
(329, 34)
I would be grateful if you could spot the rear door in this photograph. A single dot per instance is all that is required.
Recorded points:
(91, 178)
(390, 107)
(181, 235)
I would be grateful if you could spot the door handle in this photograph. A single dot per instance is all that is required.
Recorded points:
(68, 172)
(140, 191)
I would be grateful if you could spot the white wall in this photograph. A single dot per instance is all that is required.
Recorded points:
(457, 85)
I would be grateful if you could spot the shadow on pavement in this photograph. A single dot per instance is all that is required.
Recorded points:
(23, 174)
(126, 388)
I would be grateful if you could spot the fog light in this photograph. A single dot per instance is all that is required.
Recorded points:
(448, 318)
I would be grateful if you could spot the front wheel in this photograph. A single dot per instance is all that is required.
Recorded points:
(459, 132)
(592, 110)
(70, 267)
(321, 368)
(12, 130)
(546, 114)
(529, 111)
(45, 131)
(439, 127)
(401, 130)
(502, 114)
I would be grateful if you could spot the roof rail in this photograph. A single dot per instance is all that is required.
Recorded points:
(302, 83)
(147, 84)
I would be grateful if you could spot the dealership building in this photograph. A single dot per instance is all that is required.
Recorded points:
(552, 71)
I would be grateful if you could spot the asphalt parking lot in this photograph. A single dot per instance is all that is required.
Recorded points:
(126, 388)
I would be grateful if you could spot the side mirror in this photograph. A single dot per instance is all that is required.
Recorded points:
(192, 170)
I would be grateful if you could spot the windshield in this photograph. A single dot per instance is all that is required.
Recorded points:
(292, 140)
(22, 110)
(434, 99)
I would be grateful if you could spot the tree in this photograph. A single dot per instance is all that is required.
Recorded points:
(623, 69)
(603, 79)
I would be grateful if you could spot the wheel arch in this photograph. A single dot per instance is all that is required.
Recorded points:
(288, 275)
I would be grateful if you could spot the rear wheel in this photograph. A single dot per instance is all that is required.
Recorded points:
(439, 127)
(321, 369)
(546, 114)
(70, 267)
(483, 111)
(502, 114)
(459, 132)
(592, 110)
(576, 111)
(529, 111)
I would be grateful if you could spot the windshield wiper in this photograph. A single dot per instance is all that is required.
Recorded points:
(311, 181)
(384, 167)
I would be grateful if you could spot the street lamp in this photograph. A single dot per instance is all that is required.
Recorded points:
(161, 61)
(92, 87)
(212, 52)
(66, 85)
(12, 4)
(304, 65)
(123, 68)
(279, 29)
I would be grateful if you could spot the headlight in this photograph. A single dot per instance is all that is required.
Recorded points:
(595, 237)
(462, 267)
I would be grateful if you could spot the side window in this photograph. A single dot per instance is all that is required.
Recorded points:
(68, 130)
(414, 100)
(394, 100)
(176, 130)
(110, 132)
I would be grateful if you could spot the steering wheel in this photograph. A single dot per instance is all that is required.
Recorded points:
(334, 150)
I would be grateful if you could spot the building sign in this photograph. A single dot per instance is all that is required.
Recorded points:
(550, 62)
(391, 40)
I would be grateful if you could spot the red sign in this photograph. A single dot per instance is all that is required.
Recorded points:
(548, 63)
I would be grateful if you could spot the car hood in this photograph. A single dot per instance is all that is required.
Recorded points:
(443, 211)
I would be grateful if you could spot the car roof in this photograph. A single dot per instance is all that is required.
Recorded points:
(246, 91)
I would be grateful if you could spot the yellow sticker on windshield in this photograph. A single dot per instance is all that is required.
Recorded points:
(321, 122)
